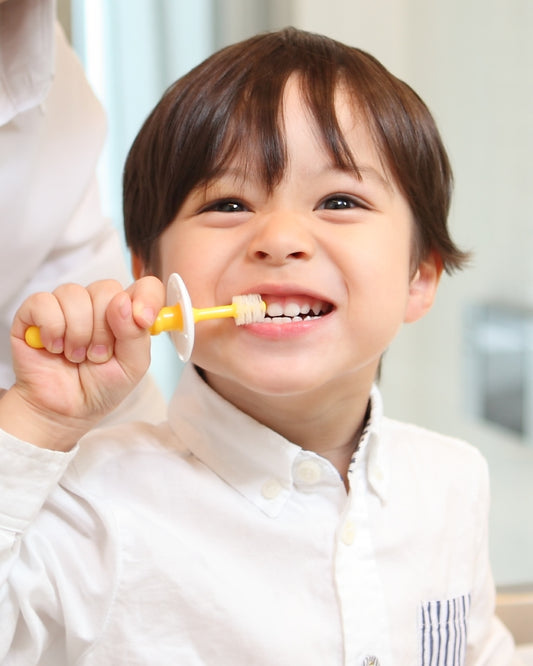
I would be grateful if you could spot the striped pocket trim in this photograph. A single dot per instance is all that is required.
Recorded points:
(443, 628)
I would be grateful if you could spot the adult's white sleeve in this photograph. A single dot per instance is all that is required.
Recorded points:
(57, 563)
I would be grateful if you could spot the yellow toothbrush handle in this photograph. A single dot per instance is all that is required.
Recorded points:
(33, 337)
(169, 319)
(216, 312)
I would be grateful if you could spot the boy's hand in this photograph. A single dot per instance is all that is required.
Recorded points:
(97, 348)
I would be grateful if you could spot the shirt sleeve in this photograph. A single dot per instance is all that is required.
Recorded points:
(26, 55)
(489, 643)
(57, 562)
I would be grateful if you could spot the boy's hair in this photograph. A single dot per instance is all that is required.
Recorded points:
(230, 106)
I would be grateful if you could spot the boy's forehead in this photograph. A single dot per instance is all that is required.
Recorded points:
(354, 126)
(246, 167)
(344, 103)
(251, 150)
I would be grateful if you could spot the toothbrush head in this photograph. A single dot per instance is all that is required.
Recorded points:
(249, 309)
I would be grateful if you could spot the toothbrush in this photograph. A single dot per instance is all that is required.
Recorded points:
(179, 319)
(246, 309)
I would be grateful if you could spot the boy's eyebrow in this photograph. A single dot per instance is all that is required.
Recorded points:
(365, 171)
(229, 172)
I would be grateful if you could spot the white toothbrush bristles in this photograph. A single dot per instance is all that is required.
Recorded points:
(249, 309)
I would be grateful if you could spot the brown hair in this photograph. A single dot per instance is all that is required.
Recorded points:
(230, 104)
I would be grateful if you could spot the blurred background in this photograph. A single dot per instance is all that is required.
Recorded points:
(467, 368)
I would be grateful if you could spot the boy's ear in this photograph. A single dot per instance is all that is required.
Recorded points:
(423, 287)
(137, 267)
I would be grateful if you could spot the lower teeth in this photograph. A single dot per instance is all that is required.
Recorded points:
(286, 320)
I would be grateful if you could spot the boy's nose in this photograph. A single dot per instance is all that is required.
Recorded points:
(281, 237)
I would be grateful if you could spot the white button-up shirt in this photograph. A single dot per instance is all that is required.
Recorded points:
(210, 539)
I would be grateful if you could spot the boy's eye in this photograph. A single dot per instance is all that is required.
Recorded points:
(225, 206)
(341, 202)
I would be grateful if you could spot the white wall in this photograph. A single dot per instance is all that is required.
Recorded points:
(472, 62)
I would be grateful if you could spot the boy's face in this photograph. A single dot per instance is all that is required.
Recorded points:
(323, 241)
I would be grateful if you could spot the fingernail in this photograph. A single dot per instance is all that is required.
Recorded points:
(57, 346)
(98, 353)
(78, 355)
(148, 315)
(125, 306)
(143, 314)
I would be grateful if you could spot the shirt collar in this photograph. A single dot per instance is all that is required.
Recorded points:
(371, 457)
(255, 460)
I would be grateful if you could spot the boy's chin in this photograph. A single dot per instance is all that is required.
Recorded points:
(276, 381)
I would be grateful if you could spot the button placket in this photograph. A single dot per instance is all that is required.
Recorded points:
(358, 582)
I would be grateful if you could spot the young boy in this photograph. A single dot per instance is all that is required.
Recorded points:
(277, 518)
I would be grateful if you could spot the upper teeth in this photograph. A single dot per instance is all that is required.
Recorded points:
(290, 309)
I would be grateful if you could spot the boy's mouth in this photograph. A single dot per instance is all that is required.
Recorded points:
(294, 308)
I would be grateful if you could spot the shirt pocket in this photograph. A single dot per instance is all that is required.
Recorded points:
(442, 631)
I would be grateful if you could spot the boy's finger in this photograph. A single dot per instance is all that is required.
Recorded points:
(129, 315)
(101, 345)
(64, 319)
(77, 308)
(43, 311)
(132, 342)
(148, 297)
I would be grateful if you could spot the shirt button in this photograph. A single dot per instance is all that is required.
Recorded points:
(370, 661)
(271, 489)
(377, 473)
(308, 472)
(348, 533)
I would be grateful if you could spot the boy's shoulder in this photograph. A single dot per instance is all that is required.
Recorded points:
(430, 450)
(439, 479)
(417, 435)
(404, 442)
